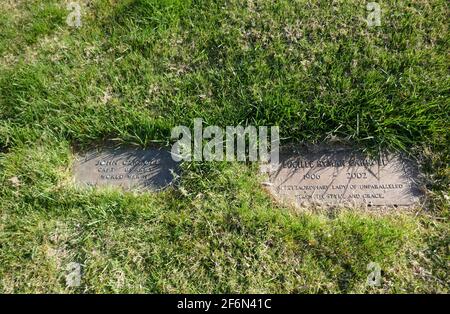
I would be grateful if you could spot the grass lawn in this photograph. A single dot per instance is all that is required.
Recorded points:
(137, 68)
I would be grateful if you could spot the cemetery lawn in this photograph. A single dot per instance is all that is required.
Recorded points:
(137, 68)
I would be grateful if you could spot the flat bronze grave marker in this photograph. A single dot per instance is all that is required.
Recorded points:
(131, 169)
(341, 176)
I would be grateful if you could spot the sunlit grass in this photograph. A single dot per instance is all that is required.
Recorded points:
(135, 69)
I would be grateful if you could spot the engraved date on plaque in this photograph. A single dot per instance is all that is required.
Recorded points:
(341, 176)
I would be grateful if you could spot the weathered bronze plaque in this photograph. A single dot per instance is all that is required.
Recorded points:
(150, 169)
(341, 176)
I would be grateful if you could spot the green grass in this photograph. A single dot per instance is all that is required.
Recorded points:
(135, 69)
